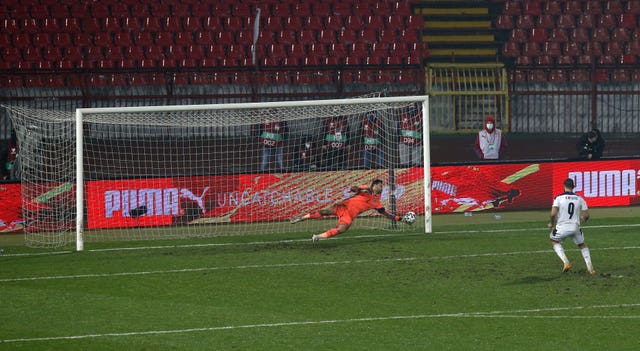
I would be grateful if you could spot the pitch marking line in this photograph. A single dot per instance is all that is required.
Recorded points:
(161, 247)
(489, 314)
(287, 265)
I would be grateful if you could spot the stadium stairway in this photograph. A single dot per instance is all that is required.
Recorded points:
(458, 31)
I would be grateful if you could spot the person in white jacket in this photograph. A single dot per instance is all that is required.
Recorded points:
(490, 142)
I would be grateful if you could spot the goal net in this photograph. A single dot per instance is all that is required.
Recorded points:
(160, 172)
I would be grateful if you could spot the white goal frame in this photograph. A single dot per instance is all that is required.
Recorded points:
(422, 99)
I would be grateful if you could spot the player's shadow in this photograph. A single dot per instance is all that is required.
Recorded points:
(532, 280)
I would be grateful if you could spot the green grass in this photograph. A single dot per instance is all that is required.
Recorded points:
(474, 284)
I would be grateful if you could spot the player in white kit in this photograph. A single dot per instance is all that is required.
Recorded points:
(567, 212)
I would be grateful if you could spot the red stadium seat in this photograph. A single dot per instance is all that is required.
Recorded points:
(620, 34)
(354, 23)
(512, 7)
(525, 22)
(50, 25)
(531, 49)
(546, 21)
(347, 36)
(573, 7)
(572, 48)
(544, 60)
(532, 8)
(586, 20)
(558, 75)
(335, 23)
(52, 53)
(620, 75)
(511, 49)
(114, 53)
(565, 60)
(327, 37)
(592, 48)
(504, 22)
(552, 8)
(613, 7)
(628, 59)
(164, 38)
(538, 35)
(559, 35)
(579, 76)
(22, 40)
(41, 39)
(204, 38)
(627, 21)
(607, 20)
(613, 48)
(633, 7)
(600, 34)
(593, 7)
(552, 48)
(212, 24)
(566, 21)
(103, 39)
(633, 47)
(580, 35)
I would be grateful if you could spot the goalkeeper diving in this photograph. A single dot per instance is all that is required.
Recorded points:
(363, 198)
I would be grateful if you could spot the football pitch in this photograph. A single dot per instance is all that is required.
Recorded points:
(476, 283)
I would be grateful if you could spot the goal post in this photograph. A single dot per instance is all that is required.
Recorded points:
(188, 171)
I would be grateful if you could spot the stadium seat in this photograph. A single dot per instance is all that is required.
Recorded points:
(184, 38)
(586, 20)
(110, 24)
(130, 24)
(620, 75)
(204, 38)
(286, 37)
(607, 20)
(552, 8)
(60, 11)
(544, 60)
(10, 26)
(410, 35)
(143, 39)
(592, 48)
(134, 53)
(573, 7)
(566, 21)
(126, 64)
(354, 23)
(211, 24)
(333, 22)
(99, 9)
(103, 39)
(627, 21)
(546, 21)
(94, 54)
(607, 60)
(593, 7)
(580, 35)
(579, 76)
(342, 8)
(347, 36)
(225, 38)
(30, 26)
(504, 22)
(510, 49)
(388, 36)
(552, 48)
(532, 8)
(50, 25)
(368, 35)
(327, 36)
(21, 40)
(525, 22)
(531, 49)
(633, 47)
(633, 7)
(524, 60)
(600, 34)
(41, 39)
(191, 24)
(512, 7)
(114, 53)
(628, 59)
(572, 48)
(52, 53)
(314, 23)
(72, 53)
(620, 34)
(122, 39)
(362, 8)
(602, 75)
(613, 7)
(538, 35)
(164, 38)
(537, 75)
(613, 48)
(151, 24)
(307, 37)
(565, 60)
(559, 35)
(585, 59)
(5, 40)
(558, 75)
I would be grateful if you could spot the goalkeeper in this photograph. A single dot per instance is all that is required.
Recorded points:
(364, 198)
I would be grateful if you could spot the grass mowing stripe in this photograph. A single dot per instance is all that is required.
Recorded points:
(286, 265)
(489, 314)
(346, 237)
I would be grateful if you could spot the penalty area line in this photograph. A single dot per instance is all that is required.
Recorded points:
(489, 314)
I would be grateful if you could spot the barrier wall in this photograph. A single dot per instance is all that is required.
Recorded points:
(272, 197)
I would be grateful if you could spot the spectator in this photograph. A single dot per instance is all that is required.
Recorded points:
(371, 128)
(411, 138)
(335, 145)
(272, 137)
(10, 161)
(591, 145)
(490, 142)
(305, 157)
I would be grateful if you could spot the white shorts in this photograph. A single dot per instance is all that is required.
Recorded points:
(576, 235)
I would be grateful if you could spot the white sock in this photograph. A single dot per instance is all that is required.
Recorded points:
(587, 258)
(560, 252)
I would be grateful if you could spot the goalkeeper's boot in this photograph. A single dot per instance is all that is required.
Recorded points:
(592, 272)
(567, 267)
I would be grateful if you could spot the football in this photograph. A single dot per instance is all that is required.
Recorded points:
(409, 217)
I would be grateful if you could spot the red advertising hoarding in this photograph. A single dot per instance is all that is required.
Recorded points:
(272, 197)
